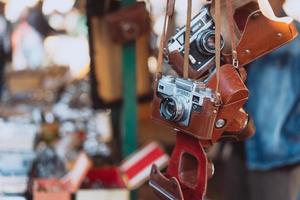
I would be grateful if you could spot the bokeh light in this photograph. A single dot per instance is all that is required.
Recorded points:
(61, 6)
(15, 8)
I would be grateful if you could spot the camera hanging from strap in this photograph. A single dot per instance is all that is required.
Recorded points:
(166, 28)
(167, 21)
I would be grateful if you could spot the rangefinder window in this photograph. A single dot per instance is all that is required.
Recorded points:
(196, 99)
(181, 39)
(206, 18)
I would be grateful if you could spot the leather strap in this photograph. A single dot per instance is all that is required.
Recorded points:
(187, 40)
(167, 23)
(230, 18)
(218, 42)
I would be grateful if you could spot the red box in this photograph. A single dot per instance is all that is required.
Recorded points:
(137, 167)
(111, 185)
(50, 189)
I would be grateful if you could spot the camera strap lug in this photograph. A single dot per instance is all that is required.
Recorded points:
(229, 6)
(219, 99)
(235, 61)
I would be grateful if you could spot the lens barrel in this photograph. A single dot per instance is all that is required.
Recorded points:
(206, 42)
(171, 109)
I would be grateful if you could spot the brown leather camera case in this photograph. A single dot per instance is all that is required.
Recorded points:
(201, 123)
(257, 35)
(234, 94)
(129, 23)
(260, 35)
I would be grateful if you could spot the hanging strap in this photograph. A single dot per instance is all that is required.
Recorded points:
(229, 8)
(187, 40)
(167, 23)
(218, 42)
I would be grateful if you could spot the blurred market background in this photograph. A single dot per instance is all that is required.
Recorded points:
(67, 88)
(62, 93)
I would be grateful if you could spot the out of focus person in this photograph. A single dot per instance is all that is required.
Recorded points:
(273, 154)
(27, 45)
(268, 166)
(5, 44)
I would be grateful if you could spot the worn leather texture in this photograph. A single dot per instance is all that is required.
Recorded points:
(241, 128)
(128, 23)
(192, 176)
(163, 186)
(257, 36)
(234, 95)
(260, 35)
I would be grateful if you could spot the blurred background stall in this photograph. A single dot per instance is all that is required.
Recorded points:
(71, 93)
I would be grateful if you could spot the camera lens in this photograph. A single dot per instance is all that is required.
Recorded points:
(171, 109)
(210, 42)
(206, 42)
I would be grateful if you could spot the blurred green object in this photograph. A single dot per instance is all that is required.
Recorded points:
(129, 120)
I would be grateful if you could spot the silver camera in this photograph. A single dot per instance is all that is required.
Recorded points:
(202, 41)
(181, 97)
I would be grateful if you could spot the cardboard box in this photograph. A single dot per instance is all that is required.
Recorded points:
(110, 179)
(36, 85)
(24, 81)
(61, 189)
(104, 194)
(115, 183)
(136, 168)
(47, 189)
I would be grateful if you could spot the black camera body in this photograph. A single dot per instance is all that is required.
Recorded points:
(202, 41)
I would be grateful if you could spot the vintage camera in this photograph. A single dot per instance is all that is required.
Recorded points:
(193, 107)
(202, 43)
(186, 105)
